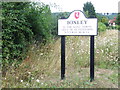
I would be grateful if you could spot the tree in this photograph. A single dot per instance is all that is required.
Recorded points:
(40, 20)
(89, 9)
(16, 34)
(118, 21)
(101, 26)
(22, 23)
(105, 20)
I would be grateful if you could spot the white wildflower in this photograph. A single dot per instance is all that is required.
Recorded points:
(111, 56)
(27, 84)
(29, 72)
(41, 54)
(32, 78)
(41, 77)
(116, 60)
(41, 83)
(102, 51)
(51, 50)
(16, 77)
(37, 50)
(21, 80)
(107, 49)
(111, 44)
(97, 52)
(37, 80)
(32, 48)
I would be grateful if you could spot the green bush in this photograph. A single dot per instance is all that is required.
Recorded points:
(101, 26)
(22, 23)
(40, 19)
(118, 27)
(16, 32)
(113, 27)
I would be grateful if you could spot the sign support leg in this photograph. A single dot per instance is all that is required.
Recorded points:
(91, 58)
(62, 57)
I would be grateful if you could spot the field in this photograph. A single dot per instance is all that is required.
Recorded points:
(41, 68)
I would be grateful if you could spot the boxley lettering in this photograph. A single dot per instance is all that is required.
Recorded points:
(77, 22)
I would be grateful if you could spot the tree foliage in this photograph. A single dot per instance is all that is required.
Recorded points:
(89, 9)
(16, 32)
(22, 23)
(105, 20)
(118, 21)
(40, 19)
(101, 26)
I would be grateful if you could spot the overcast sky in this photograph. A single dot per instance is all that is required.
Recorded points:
(101, 6)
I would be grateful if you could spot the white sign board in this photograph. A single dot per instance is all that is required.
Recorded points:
(77, 24)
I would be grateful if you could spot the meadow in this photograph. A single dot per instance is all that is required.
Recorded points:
(41, 68)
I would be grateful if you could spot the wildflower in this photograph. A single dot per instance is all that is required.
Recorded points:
(51, 50)
(102, 51)
(107, 49)
(37, 50)
(32, 48)
(111, 44)
(32, 78)
(21, 80)
(97, 52)
(41, 54)
(29, 72)
(37, 80)
(16, 77)
(111, 56)
(116, 60)
(41, 77)
(27, 84)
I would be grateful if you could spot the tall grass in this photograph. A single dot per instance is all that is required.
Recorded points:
(41, 68)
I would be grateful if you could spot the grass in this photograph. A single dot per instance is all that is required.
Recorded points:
(41, 69)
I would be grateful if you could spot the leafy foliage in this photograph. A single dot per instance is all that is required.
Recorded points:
(101, 26)
(40, 20)
(22, 23)
(16, 32)
(118, 21)
(89, 9)
(105, 20)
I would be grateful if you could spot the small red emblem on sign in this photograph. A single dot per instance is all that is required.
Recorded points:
(77, 15)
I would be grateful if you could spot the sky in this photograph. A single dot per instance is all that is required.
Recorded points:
(101, 6)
